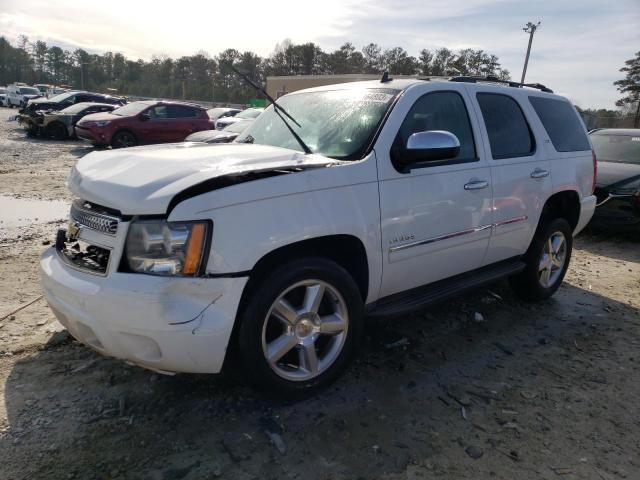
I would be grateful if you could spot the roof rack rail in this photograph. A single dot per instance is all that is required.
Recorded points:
(491, 79)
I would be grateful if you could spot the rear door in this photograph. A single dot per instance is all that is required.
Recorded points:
(520, 170)
(183, 122)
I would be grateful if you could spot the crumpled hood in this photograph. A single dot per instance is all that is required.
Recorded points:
(143, 180)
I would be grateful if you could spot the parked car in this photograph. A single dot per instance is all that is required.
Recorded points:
(32, 115)
(248, 114)
(53, 91)
(227, 135)
(222, 112)
(144, 122)
(42, 88)
(19, 94)
(618, 183)
(61, 125)
(3, 96)
(383, 197)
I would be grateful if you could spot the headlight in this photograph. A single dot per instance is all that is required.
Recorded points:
(96, 123)
(159, 247)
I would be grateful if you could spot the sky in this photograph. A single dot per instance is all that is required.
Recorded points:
(577, 51)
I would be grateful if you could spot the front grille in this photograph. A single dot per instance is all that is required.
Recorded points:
(93, 217)
(86, 257)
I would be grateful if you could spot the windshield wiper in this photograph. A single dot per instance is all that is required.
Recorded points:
(276, 108)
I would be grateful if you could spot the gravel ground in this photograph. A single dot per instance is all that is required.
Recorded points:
(525, 391)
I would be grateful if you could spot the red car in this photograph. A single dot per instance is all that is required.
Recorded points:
(143, 122)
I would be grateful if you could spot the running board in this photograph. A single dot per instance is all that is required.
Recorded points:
(420, 297)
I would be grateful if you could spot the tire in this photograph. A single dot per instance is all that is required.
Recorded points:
(123, 139)
(57, 131)
(547, 261)
(307, 360)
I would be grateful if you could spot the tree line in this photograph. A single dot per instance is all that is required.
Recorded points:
(202, 77)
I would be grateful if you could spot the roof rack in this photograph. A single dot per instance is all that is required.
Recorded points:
(491, 79)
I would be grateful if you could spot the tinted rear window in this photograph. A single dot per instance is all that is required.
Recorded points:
(561, 123)
(508, 130)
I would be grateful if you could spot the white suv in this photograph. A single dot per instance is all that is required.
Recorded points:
(411, 191)
(19, 94)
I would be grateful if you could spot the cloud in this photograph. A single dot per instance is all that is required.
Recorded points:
(578, 50)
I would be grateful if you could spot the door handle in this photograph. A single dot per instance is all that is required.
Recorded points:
(539, 173)
(476, 185)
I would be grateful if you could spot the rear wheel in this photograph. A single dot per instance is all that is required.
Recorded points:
(300, 327)
(57, 131)
(123, 139)
(547, 261)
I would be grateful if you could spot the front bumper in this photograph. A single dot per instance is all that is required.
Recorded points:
(587, 207)
(168, 324)
(96, 137)
(617, 213)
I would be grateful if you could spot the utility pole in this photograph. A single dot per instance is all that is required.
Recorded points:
(530, 28)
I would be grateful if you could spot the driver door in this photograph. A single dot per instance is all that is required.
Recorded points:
(435, 215)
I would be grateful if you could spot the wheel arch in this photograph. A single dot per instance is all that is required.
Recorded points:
(564, 204)
(346, 250)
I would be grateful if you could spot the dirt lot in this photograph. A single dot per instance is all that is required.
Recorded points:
(532, 391)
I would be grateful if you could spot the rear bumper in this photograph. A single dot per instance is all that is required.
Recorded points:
(168, 324)
(587, 207)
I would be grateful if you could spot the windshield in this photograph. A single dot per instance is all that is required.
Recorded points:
(61, 97)
(237, 127)
(617, 148)
(250, 113)
(29, 91)
(336, 123)
(131, 109)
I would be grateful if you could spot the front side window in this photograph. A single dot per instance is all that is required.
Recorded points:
(336, 123)
(159, 112)
(562, 124)
(508, 130)
(438, 111)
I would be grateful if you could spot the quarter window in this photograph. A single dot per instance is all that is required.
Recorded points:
(561, 123)
(508, 130)
(438, 111)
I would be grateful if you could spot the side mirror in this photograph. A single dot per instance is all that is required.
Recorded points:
(144, 117)
(429, 146)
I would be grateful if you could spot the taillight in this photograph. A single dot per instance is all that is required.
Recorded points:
(595, 171)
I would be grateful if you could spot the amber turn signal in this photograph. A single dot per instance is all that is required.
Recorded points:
(195, 245)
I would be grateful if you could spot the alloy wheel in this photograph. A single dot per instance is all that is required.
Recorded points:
(552, 260)
(305, 330)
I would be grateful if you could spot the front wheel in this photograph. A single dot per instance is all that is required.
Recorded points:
(547, 261)
(123, 139)
(57, 131)
(300, 327)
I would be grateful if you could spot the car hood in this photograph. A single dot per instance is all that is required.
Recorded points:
(205, 135)
(144, 180)
(92, 117)
(612, 175)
